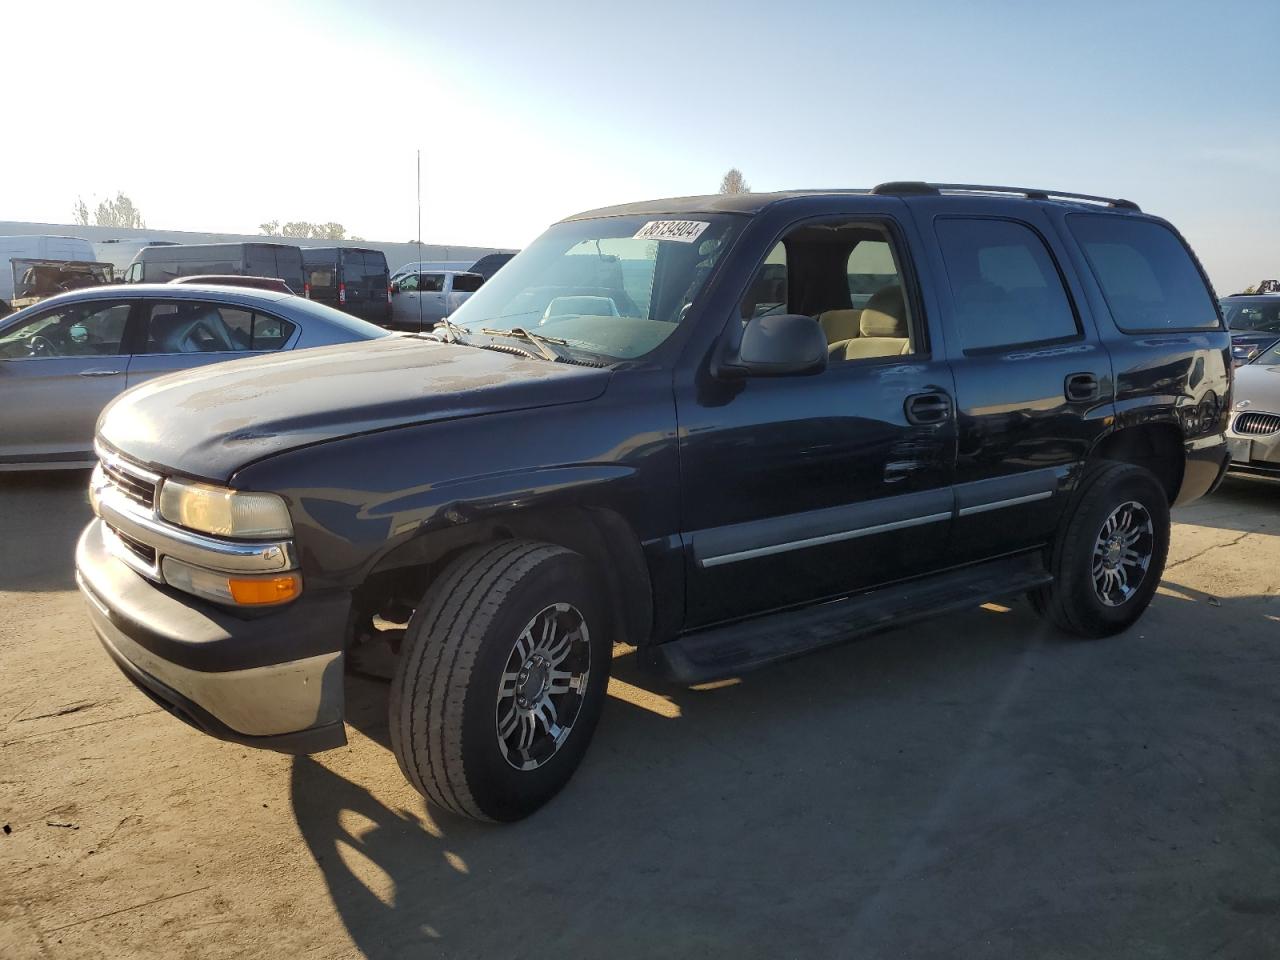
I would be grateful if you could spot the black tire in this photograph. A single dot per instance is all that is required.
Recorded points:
(445, 697)
(1073, 601)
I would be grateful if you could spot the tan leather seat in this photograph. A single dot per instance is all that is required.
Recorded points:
(840, 325)
(882, 328)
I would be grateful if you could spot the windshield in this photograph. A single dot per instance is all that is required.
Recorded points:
(1253, 314)
(617, 286)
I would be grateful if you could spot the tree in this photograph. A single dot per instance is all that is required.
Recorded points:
(304, 229)
(734, 182)
(119, 212)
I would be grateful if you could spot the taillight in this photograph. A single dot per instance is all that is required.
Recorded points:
(342, 293)
(306, 290)
(388, 293)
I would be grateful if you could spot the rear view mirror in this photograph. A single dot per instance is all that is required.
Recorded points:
(782, 345)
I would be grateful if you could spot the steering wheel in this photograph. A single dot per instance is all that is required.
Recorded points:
(39, 346)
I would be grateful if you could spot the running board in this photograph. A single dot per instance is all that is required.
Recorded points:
(719, 652)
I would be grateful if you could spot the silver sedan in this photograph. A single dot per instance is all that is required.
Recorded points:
(63, 359)
(1254, 433)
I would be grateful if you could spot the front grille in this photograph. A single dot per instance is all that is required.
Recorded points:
(1255, 423)
(137, 487)
(145, 553)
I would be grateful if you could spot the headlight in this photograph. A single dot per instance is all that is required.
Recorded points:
(223, 512)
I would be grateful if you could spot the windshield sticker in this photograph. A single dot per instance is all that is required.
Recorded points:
(681, 231)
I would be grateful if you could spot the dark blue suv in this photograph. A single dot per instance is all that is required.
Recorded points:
(721, 430)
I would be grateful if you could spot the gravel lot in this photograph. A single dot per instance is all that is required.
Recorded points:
(975, 787)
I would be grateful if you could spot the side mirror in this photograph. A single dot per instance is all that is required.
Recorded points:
(781, 345)
(395, 286)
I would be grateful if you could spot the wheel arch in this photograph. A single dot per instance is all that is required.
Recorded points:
(1157, 446)
(601, 535)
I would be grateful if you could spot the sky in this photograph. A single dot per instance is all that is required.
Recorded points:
(242, 112)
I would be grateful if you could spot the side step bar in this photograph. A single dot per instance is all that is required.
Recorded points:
(719, 652)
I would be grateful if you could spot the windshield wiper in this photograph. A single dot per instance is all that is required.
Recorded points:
(537, 339)
(452, 332)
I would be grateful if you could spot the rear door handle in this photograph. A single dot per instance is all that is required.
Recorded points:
(1081, 386)
(923, 409)
(99, 373)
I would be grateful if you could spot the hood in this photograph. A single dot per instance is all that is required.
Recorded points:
(1260, 385)
(212, 421)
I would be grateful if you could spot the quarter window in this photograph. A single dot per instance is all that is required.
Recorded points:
(1145, 272)
(1005, 286)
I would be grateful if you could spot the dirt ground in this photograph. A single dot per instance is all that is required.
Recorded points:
(974, 787)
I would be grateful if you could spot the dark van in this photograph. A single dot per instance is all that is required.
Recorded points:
(352, 279)
(490, 264)
(160, 264)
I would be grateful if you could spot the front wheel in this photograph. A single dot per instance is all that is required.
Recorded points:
(1109, 556)
(501, 680)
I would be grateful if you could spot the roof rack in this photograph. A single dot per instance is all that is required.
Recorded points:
(900, 188)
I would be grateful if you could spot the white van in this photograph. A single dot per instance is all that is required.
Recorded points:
(37, 247)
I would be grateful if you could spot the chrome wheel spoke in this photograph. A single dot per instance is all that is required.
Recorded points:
(542, 686)
(1122, 553)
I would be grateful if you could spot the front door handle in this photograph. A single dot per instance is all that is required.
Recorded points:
(923, 409)
(1081, 386)
(99, 373)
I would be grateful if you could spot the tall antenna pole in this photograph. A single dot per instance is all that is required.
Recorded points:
(419, 238)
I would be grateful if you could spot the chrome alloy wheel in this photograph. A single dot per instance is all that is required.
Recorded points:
(542, 686)
(1122, 553)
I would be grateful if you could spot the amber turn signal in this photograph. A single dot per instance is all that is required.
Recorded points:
(258, 591)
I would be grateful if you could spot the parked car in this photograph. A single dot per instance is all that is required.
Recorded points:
(639, 432)
(252, 283)
(63, 360)
(1254, 434)
(32, 249)
(421, 300)
(430, 266)
(1254, 322)
(490, 264)
(162, 263)
(351, 279)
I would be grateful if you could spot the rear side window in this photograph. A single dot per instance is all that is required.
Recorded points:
(1006, 288)
(466, 283)
(431, 282)
(1145, 272)
(196, 327)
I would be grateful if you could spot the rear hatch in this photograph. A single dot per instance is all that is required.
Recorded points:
(34, 280)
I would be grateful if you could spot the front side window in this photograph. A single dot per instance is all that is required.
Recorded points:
(93, 329)
(1262, 317)
(1005, 286)
(846, 275)
(614, 286)
(195, 327)
(1145, 272)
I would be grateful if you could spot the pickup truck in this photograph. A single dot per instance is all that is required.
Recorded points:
(684, 426)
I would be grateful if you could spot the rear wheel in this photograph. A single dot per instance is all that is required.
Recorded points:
(501, 680)
(1109, 556)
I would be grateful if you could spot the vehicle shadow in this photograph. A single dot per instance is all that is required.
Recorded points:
(978, 780)
(41, 517)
